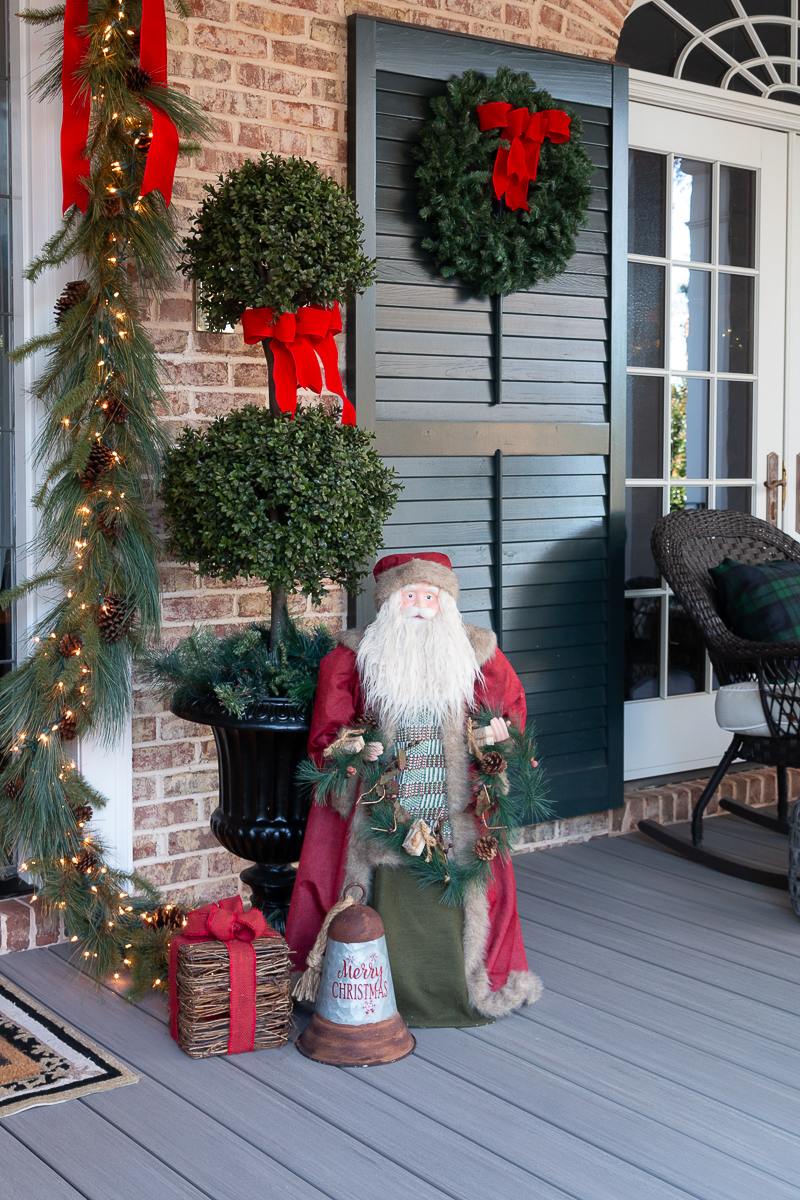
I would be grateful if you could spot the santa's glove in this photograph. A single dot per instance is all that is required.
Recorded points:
(489, 735)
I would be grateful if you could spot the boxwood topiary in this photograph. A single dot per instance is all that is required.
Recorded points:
(275, 233)
(289, 502)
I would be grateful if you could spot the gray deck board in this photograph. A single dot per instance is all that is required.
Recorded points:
(660, 1064)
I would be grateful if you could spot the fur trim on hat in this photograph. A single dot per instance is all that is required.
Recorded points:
(418, 570)
(483, 641)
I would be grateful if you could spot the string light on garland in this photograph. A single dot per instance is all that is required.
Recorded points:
(100, 452)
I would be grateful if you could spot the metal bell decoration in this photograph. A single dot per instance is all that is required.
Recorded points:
(356, 1022)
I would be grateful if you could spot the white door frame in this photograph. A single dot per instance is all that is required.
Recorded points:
(36, 209)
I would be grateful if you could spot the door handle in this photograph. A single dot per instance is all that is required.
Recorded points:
(772, 483)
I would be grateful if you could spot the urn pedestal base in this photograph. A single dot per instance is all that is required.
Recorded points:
(271, 889)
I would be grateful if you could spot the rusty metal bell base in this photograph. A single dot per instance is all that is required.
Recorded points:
(356, 1023)
(356, 1045)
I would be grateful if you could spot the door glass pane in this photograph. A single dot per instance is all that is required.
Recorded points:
(642, 640)
(691, 210)
(689, 428)
(645, 315)
(734, 429)
(737, 217)
(645, 431)
(643, 510)
(735, 499)
(689, 319)
(681, 498)
(735, 325)
(647, 203)
(686, 660)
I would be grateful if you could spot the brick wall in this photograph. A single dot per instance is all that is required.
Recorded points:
(273, 76)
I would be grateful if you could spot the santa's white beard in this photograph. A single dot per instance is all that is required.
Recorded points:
(407, 666)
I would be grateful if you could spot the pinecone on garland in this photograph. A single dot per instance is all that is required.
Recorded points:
(70, 643)
(137, 79)
(100, 460)
(115, 409)
(110, 523)
(86, 862)
(492, 763)
(83, 813)
(74, 293)
(113, 206)
(486, 848)
(68, 726)
(13, 788)
(114, 618)
(166, 916)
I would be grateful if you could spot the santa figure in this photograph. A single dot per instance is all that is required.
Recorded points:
(418, 671)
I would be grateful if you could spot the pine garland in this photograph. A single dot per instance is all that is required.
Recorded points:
(509, 789)
(100, 450)
(491, 247)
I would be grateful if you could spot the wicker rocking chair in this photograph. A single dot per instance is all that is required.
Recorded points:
(685, 545)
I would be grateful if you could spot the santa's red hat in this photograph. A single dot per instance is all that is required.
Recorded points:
(396, 571)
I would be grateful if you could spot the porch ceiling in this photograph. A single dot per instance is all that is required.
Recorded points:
(660, 1063)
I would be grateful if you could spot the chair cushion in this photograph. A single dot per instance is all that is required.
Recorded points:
(759, 601)
(738, 708)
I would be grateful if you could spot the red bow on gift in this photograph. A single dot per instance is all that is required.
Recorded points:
(225, 921)
(159, 171)
(301, 341)
(515, 167)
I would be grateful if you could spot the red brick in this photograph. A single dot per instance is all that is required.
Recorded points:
(585, 35)
(161, 758)
(144, 729)
(144, 789)
(485, 10)
(197, 608)
(176, 579)
(17, 917)
(253, 605)
(370, 8)
(229, 103)
(208, 751)
(551, 18)
(212, 10)
(327, 89)
(184, 840)
(162, 816)
(200, 374)
(174, 870)
(334, 601)
(323, 147)
(299, 55)
(48, 927)
(223, 863)
(331, 7)
(169, 341)
(144, 846)
(231, 41)
(198, 66)
(216, 404)
(270, 79)
(198, 782)
(518, 16)
(173, 729)
(176, 310)
(177, 32)
(438, 22)
(313, 116)
(146, 704)
(279, 141)
(250, 375)
(178, 403)
(332, 33)
(258, 16)
(225, 344)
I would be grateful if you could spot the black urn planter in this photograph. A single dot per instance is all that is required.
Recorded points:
(262, 814)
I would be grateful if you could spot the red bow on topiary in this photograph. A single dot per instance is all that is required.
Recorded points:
(227, 922)
(515, 166)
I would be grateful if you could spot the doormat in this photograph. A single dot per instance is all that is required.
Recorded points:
(44, 1061)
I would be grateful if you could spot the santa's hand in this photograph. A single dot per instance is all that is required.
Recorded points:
(496, 731)
(373, 751)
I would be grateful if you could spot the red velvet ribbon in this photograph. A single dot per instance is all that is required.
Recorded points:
(225, 921)
(515, 166)
(75, 166)
(162, 157)
(301, 341)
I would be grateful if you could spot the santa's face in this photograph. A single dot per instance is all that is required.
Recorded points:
(419, 601)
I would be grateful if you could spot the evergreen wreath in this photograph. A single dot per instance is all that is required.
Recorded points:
(101, 447)
(475, 236)
(509, 790)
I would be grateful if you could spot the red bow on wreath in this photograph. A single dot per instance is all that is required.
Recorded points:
(159, 171)
(301, 341)
(226, 922)
(515, 166)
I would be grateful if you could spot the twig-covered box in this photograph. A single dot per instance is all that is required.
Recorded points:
(204, 1005)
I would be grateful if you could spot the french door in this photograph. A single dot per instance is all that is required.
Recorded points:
(706, 347)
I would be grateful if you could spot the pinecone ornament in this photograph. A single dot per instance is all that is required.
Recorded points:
(137, 79)
(167, 916)
(113, 206)
(492, 763)
(100, 460)
(74, 293)
(486, 848)
(114, 618)
(86, 861)
(70, 643)
(68, 726)
(13, 788)
(115, 409)
(83, 813)
(110, 523)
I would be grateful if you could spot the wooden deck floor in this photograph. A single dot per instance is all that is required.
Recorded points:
(661, 1063)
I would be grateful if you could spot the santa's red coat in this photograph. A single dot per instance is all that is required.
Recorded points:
(321, 875)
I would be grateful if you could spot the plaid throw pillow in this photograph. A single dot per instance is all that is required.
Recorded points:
(759, 601)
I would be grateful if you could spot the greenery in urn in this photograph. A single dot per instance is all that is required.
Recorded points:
(275, 233)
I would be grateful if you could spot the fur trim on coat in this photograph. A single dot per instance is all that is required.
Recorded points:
(418, 570)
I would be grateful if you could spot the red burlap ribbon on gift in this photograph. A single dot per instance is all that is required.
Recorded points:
(515, 166)
(302, 343)
(162, 156)
(225, 921)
